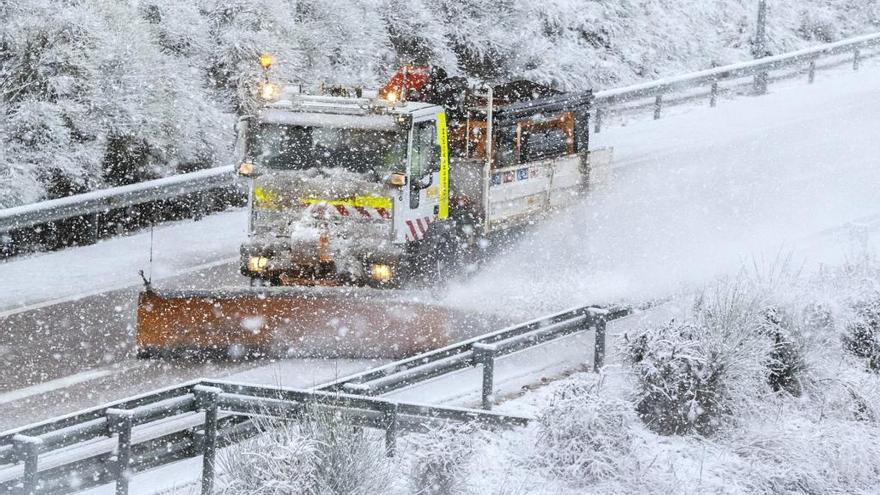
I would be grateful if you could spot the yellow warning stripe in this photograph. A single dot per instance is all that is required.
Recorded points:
(265, 198)
(442, 136)
(355, 201)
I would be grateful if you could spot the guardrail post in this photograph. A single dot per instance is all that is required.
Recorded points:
(857, 57)
(485, 354)
(759, 48)
(598, 125)
(599, 342)
(811, 75)
(761, 83)
(200, 209)
(391, 427)
(95, 229)
(120, 422)
(658, 104)
(27, 449)
(208, 398)
(713, 99)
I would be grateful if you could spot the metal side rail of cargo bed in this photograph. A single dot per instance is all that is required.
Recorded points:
(483, 350)
(112, 443)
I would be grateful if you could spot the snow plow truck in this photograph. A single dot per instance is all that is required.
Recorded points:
(355, 197)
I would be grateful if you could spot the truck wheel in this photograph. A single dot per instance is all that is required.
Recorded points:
(146, 353)
(438, 256)
(265, 282)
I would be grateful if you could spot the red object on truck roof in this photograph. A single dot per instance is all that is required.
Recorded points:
(407, 79)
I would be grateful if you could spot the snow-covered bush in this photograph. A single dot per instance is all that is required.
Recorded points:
(314, 453)
(350, 459)
(584, 435)
(862, 334)
(693, 376)
(44, 69)
(795, 455)
(819, 24)
(680, 386)
(785, 363)
(439, 458)
(849, 394)
(280, 460)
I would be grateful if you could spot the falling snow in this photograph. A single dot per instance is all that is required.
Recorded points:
(744, 238)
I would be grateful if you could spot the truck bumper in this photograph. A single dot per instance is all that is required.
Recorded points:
(277, 262)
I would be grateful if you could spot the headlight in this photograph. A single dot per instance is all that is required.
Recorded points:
(268, 91)
(381, 273)
(246, 169)
(258, 264)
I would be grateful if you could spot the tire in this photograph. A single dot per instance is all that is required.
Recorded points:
(146, 353)
(438, 255)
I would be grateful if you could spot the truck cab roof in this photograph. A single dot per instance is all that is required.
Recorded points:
(367, 110)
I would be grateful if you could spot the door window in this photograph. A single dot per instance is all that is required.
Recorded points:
(425, 158)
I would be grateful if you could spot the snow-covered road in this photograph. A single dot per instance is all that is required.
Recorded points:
(705, 192)
(178, 248)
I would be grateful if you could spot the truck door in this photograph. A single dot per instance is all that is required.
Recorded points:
(427, 195)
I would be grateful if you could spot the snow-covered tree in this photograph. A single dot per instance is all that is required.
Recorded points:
(95, 93)
(90, 97)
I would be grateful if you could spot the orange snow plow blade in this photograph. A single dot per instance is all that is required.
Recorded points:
(296, 321)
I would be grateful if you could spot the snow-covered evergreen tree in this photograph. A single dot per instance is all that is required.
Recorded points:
(96, 93)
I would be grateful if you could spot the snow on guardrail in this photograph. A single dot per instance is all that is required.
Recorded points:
(733, 71)
(118, 197)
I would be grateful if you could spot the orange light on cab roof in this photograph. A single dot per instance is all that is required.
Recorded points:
(266, 60)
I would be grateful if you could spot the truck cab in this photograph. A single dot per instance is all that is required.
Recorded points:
(339, 185)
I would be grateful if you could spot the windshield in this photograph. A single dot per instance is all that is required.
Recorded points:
(288, 147)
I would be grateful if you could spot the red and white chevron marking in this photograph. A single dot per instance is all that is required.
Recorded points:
(324, 210)
(417, 228)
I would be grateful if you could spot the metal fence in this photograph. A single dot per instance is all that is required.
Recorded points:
(85, 218)
(115, 198)
(483, 351)
(111, 443)
(658, 91)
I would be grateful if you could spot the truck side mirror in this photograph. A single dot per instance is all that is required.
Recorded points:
(247, 169)
(396, 179)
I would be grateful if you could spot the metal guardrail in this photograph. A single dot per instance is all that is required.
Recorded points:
(118, 197)
(171, 187)
(482, 350)
(110, 444)
(604, 100)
